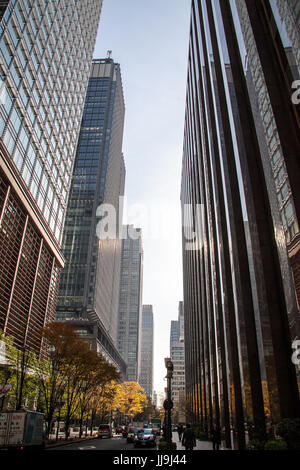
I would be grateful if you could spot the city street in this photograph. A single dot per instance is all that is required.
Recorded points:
(115, 443)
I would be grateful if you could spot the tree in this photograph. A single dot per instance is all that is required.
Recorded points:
(130, 399)
(148, 411)
(17, 371)
(97, 382)
(51, 371)
(103, 400)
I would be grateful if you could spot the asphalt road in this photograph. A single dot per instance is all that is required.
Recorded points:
(114, 443)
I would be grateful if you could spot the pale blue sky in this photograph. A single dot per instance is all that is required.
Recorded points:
(150, 41)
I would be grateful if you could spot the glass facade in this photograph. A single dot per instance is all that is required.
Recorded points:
(130, 302)
(145, 376)
(89, 283)
(241, 285)
(178, 359)
(46, 49)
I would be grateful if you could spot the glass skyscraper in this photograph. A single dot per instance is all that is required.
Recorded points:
(145, 377)
(130, 301)
(177, 357)
(90, 281)
(240, 163)
(46, 51)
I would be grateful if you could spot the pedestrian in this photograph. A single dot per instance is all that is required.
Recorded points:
(180, 431)
(189, 438)
(216, 437)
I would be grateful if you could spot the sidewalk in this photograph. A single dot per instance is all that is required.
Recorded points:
(200, 445)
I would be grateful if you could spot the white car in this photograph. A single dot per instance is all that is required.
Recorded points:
(145, 437)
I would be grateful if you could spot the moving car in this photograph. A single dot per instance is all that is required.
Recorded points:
(132, 433)
(104, 430)
(145, 437)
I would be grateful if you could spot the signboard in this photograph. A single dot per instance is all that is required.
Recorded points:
(168, 404)
(3, 428)
(11, 428)
(21, 428)
(16, 428)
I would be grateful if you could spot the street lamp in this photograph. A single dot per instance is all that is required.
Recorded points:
(168, 404)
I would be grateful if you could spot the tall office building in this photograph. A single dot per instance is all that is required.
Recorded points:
(241, 280)
(46, 50)
(89, 284)
(130, 300)
(174, 331)
(177, 358)
(145, 377)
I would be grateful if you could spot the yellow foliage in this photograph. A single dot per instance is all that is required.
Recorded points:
(129, 398)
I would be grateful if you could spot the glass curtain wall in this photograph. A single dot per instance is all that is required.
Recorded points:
(240, 300)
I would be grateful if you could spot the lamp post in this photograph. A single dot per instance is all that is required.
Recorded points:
(168, 404)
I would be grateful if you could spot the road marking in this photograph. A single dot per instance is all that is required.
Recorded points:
(86, 447)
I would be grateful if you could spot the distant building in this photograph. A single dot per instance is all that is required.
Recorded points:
(177, 357)
(145, 377)
(174, 333)
(130, 301)
(90, 281)
(155, 399)
(46, 50)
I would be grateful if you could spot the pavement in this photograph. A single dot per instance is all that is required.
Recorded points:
(200, 445)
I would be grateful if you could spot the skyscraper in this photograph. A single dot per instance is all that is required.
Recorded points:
(177, 357)
(89, 284)
(174, 331)
(241, 280)
(46, 51)
(145, 377)
(130, 300)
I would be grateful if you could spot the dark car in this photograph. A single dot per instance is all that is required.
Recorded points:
(145, 437)
(131, 433)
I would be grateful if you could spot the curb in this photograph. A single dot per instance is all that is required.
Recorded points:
(69, 442)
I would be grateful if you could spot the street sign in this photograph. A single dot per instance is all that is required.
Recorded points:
(168, 404)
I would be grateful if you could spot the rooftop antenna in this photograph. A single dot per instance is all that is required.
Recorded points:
(109, 53)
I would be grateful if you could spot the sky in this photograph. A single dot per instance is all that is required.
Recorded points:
(149, 39)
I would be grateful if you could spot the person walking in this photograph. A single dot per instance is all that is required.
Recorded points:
(216, 437)
(180, 431)
(189, 438)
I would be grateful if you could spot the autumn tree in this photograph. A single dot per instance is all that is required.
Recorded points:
(61, 343)
(103, 401)
(98, 380)
(129, 398)
(148, 411)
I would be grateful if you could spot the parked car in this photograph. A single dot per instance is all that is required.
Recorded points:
(132, 433)
(104, 430)
(145, 437)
